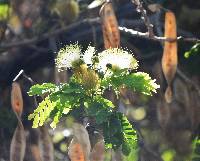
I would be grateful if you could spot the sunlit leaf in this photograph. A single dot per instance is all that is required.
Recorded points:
(193, 51)
(41, 89)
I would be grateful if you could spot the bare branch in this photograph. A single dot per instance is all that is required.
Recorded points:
(48, 34)
(144, 16)
(157, 38)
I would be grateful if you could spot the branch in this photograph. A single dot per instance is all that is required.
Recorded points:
(144, 16)
(48, 34)
(157, 38)
(29, 79)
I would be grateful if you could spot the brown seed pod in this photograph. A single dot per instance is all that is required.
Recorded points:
(35, 152)
(170, 58)
(18, 144)
(98, 152)
(16, 99)
(76, 152)
(79, 149)
(46, 145)
(111, 34)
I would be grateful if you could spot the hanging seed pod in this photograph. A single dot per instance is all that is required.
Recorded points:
(80, 144)
(16, 99)
(111, 34)
(169, 59)
(46, 145)
(32, 145)
(98, 152)
(76, 152)
(18, 143)
(36, 152)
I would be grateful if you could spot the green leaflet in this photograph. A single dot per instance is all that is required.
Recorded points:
(193, 51)
(59, 101)
(100, 108)
(119, 132)
(41, 89)
(139, 82)
(42, 113)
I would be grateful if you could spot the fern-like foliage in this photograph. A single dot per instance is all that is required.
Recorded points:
(59, 101)
(139, 82)
(118, 131)
(83, 95)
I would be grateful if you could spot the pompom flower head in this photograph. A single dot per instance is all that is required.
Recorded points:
(88, 55)
(68, 56)
(116, 58)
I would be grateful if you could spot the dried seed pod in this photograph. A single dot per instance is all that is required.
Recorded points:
(16, 99)
(35, 150)
(32, 145)
(98, 152)
(18, 144)
(80, 144)
(76, 152)
(169, 59)
(111, 34)
(46, 145)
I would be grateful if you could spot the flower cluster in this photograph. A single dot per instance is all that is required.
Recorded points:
(67, 56)
(117, 58)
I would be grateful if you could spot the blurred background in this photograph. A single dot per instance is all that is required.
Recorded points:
(33, 31)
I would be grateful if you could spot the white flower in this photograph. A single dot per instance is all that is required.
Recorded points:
(67, 56)
(88, 55)
(118, 58)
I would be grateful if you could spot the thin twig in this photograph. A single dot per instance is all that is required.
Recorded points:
(18, 75)
(91, 21)
(49, 34)
(144, 16)
(157, 38)
(29, 79)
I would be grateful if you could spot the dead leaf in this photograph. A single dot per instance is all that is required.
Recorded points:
(16, 99)
(111, 34)
(169, 59)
